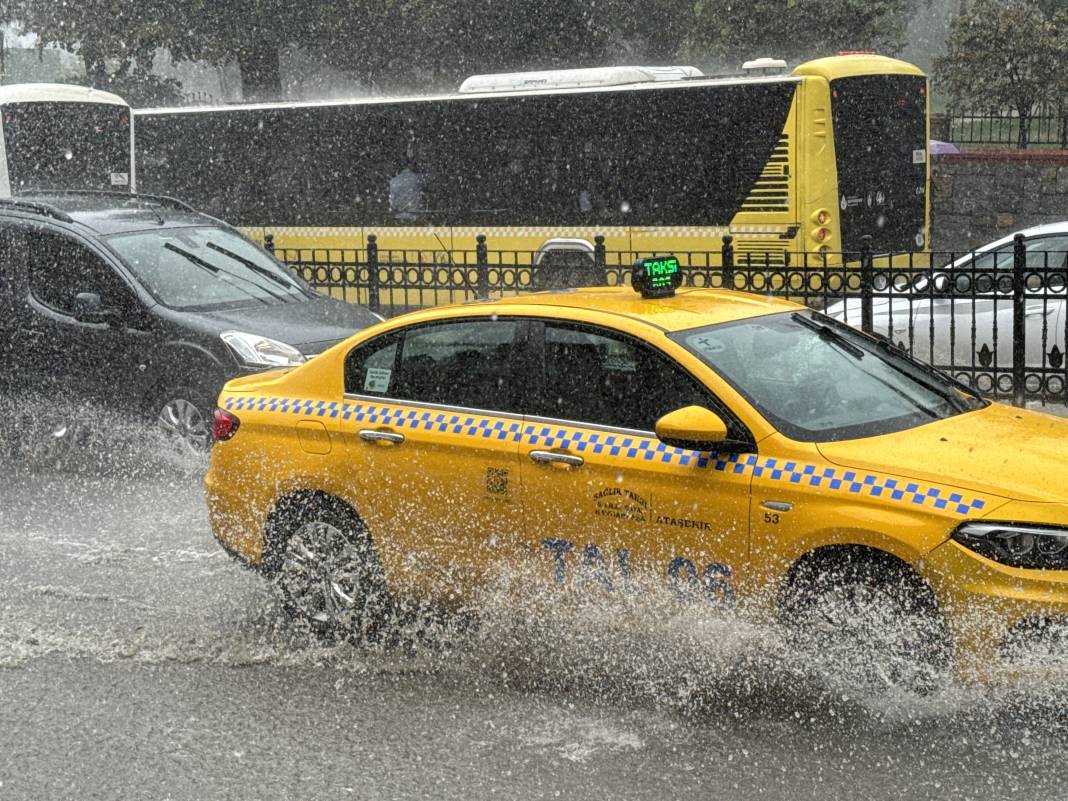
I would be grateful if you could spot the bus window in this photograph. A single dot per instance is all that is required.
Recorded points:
(880, 133)
(66, 145)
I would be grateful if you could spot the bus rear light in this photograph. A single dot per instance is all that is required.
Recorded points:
(224, 425)
(821, 234)
(821, 217)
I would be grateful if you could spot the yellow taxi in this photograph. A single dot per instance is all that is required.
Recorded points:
(734, 446)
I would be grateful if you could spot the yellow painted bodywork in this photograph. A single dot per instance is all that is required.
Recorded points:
(439, 524)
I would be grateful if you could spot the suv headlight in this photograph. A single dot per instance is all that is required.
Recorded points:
(260, 351)
(1016, 544)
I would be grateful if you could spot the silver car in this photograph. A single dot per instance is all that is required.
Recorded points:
(959, 317)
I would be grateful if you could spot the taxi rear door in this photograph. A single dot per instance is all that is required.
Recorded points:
(604, 498)
(431, 427)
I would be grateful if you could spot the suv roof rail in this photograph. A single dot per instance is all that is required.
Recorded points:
(46, 209)
(163, 200)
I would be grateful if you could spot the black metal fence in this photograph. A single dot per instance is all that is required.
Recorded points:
(993, 320)
(1048, 128)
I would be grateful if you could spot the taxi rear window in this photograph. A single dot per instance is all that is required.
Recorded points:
(465, 363)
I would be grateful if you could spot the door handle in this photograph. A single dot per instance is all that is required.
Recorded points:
(553, 458)
(372, 435)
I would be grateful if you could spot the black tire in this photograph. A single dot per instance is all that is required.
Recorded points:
(324, 564)
(184, 414)
(871, 621)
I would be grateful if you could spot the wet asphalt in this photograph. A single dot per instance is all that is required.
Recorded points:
(138, 661)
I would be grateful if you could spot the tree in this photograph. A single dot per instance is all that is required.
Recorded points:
(116, 40)
(1059, 79)
(732, 31)
(1001, 54)
(404, 43)
(255, 34)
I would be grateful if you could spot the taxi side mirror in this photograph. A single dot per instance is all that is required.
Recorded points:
(692, 427)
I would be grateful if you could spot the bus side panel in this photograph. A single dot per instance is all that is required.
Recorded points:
(767, 225)
(736, 152)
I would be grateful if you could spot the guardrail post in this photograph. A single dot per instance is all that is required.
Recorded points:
(1019, 329)
(374, 302)
(867, 270)
(599, 267)
(727, 254)
(482, 266)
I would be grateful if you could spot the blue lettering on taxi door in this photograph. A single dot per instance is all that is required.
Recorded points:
(686, 580)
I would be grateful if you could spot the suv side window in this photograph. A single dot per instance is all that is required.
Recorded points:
(60, 267)
(465, 363)
(594, 376)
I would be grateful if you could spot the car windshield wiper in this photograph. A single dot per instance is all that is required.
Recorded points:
(256, 268)
(828, 334)
(199, 262)
(959, 396)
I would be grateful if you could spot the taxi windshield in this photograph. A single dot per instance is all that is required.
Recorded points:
(207, 268)
(817, 380)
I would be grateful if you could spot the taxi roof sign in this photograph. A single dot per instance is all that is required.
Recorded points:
(656, 277)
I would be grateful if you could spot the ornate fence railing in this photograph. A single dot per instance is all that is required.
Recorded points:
(1047, 128)
(993, 320)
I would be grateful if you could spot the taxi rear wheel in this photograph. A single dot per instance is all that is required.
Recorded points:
(872, 622)
(327, 570)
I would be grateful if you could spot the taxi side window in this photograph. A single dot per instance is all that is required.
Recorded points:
(466, 363)
(592, 376)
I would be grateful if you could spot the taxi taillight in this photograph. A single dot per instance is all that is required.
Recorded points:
(223, 425)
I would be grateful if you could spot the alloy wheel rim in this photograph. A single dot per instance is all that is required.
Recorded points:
(320, 575)
(184, 420)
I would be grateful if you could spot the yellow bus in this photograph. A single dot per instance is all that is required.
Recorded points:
(653, 159)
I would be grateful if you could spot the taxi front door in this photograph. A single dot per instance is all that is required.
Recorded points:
(606, 502)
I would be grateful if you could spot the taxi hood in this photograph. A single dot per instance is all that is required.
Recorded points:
(999, 450)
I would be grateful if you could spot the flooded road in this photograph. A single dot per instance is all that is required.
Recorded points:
(137, 660)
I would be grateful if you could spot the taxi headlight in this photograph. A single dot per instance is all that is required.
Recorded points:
(259, 351)
(1016, 544)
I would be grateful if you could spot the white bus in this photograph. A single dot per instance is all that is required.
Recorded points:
(56, 136)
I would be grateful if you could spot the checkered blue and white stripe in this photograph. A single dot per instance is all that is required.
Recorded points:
(624, 446)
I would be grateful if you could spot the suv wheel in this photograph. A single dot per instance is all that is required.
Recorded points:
(185, 416)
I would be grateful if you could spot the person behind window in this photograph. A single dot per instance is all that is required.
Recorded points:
(406, 199)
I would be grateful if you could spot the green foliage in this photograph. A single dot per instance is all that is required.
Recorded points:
(731, 31)
(116, 39)
(1002, 54)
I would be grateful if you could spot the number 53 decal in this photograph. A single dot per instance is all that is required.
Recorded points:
(772, 510)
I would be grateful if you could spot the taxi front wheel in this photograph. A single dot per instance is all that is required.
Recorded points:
(326, 568)
(868, 622)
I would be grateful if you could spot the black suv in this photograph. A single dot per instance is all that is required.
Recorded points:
(139, 303)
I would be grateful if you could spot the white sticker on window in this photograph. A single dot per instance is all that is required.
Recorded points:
(120, 179)
(919, 156)
(377, 379)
